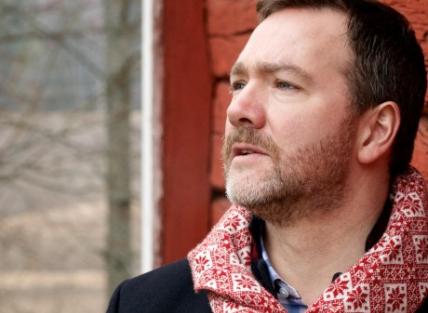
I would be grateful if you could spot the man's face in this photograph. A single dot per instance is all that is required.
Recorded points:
(290, 130)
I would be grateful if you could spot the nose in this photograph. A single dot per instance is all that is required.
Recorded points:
(247, 108)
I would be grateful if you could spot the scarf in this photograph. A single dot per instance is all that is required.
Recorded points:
(391, 277)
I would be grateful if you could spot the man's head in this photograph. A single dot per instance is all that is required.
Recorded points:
(388, 63)
(300, 88)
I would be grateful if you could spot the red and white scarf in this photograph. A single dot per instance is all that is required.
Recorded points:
(391, 277)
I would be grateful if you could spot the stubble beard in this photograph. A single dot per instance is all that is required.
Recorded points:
(298, 184)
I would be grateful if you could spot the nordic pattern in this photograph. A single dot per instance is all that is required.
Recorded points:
(391, 277)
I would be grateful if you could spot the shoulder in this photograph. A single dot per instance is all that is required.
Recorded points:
(166, 289)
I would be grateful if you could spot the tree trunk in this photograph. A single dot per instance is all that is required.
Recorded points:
(119, 63)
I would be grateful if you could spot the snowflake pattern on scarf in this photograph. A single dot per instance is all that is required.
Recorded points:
(391, 277)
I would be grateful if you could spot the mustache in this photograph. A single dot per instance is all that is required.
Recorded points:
(249, 136)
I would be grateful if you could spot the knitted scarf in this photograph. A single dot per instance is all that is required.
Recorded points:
(391, 277)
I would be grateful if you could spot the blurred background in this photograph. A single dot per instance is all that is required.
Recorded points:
(69, 151)
(80, 209)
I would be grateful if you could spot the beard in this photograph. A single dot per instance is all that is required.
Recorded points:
(311, 179)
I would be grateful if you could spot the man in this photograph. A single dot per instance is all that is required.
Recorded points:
(327, 216)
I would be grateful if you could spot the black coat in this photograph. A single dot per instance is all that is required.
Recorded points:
(168, 289)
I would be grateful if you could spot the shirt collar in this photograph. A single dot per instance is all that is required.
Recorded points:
(275, 278)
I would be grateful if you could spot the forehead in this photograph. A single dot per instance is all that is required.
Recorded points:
(314, 39)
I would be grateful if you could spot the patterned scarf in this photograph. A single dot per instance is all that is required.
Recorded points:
(391, 277)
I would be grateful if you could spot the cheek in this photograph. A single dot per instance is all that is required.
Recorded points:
(293, 134)
(285, 129)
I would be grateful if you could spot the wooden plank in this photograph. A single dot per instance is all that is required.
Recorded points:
(420, 154)
(186, 128)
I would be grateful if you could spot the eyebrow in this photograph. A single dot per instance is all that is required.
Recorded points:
(271, 68)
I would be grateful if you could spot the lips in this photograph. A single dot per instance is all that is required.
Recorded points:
(243, 149)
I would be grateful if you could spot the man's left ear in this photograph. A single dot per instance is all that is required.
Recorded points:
(378, 128)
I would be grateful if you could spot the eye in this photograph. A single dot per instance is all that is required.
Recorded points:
(282, 84)
(237, 85)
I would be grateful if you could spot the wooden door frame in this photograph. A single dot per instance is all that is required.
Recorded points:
(186, 123)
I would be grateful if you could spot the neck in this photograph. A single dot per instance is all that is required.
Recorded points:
(308, 252)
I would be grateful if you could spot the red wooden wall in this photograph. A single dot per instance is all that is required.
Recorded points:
(202, 39)
(186, 127)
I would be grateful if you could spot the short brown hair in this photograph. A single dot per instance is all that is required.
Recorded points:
(389, 63)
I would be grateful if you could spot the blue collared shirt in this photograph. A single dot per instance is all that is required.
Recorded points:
(286, 294)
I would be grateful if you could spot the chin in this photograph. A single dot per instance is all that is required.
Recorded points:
(251, 189)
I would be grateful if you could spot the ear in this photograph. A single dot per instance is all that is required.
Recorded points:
(378, 128)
